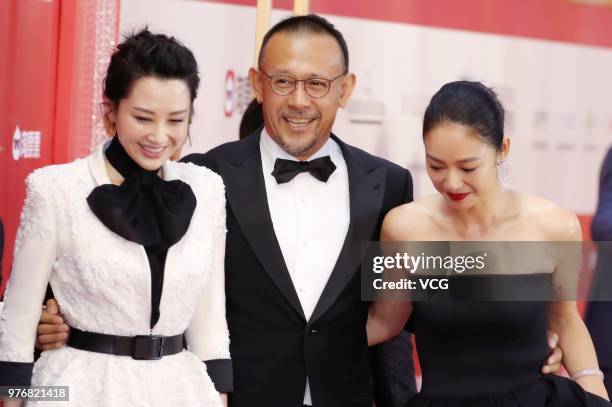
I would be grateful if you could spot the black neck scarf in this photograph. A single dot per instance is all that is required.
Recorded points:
(144, 209)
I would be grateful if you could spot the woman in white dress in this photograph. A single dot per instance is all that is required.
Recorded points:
(132, 245)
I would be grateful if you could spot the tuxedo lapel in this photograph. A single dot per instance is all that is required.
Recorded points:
(246, 194)
(366, 190)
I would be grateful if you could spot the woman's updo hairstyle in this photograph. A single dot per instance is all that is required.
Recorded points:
(471, 104)
(145, 54)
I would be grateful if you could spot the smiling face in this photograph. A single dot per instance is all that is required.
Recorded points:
(152, 122)
(299, 123)
(461, 165)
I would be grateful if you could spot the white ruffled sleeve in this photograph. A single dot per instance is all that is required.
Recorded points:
(208, 335)
(34, 255)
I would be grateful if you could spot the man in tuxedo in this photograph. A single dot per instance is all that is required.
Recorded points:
(300, 203)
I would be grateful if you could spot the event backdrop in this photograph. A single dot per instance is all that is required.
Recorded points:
(552, 74)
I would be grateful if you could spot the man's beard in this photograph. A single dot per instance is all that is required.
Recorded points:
(297, 150)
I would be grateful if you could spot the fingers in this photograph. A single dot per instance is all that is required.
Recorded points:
(553, 363)
(46, 318)
(52, 340)
(52, 332)
(50, 314)
(553, 339)
(52, 306)
(45, 329)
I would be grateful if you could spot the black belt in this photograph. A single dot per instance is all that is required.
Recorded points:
(141, 347)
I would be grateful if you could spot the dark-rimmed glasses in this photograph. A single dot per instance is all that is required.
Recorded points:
(284, 85)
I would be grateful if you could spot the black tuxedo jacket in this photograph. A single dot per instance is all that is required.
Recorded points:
(273, 347)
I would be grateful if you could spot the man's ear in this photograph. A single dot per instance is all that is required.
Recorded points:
(346, 88)
(256, 84)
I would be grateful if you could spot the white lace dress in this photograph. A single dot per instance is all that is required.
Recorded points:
(102, 283)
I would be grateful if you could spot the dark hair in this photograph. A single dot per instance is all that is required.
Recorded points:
(308, 24)
(471, 104)
(252, 119)
(146, 54)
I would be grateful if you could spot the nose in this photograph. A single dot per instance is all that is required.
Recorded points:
(160, 134)
(299, 98)
(453, 181)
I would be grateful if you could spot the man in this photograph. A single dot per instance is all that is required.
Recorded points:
(293, 246)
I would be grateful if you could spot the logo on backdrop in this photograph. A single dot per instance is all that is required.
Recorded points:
(366, 108)
(26, 144)
(238, 93)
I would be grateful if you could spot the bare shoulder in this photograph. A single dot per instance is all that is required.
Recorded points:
(555, 222)
(411, 221)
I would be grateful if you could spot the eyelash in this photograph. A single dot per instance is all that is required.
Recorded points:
(433, 168)
(146, 119)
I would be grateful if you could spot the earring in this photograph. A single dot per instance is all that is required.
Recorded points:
(502, 174)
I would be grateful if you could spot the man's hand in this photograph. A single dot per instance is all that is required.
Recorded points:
(52, 332)
(553, 363)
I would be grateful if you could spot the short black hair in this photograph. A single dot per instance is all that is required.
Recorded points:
(311, 24)
(144, 54)
(471, 104)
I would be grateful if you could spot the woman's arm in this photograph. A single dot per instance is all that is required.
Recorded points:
(574, 339)
(387, 317)
(208, 335)
(35, 252)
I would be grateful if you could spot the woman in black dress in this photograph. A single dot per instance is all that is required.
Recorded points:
(485, 354)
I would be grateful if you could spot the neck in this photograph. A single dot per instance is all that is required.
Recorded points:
(119, 165)
(482, 217)
(113, 175)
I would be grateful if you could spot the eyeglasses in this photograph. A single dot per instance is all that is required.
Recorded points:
(284, 85)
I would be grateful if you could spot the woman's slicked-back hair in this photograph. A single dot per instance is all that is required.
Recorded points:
(144, 54)
(471, 104)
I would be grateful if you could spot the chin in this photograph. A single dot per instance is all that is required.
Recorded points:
(148, 164)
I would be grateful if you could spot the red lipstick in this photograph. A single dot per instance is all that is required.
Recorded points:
(457, 197)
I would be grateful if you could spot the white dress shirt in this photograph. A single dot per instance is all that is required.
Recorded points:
(310, 219)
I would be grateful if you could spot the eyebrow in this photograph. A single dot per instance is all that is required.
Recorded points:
(142, 109)
(311, 75)
(465, 160)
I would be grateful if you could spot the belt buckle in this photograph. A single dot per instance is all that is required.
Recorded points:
(148, 347)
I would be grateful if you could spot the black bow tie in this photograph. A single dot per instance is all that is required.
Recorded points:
(286, 170)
